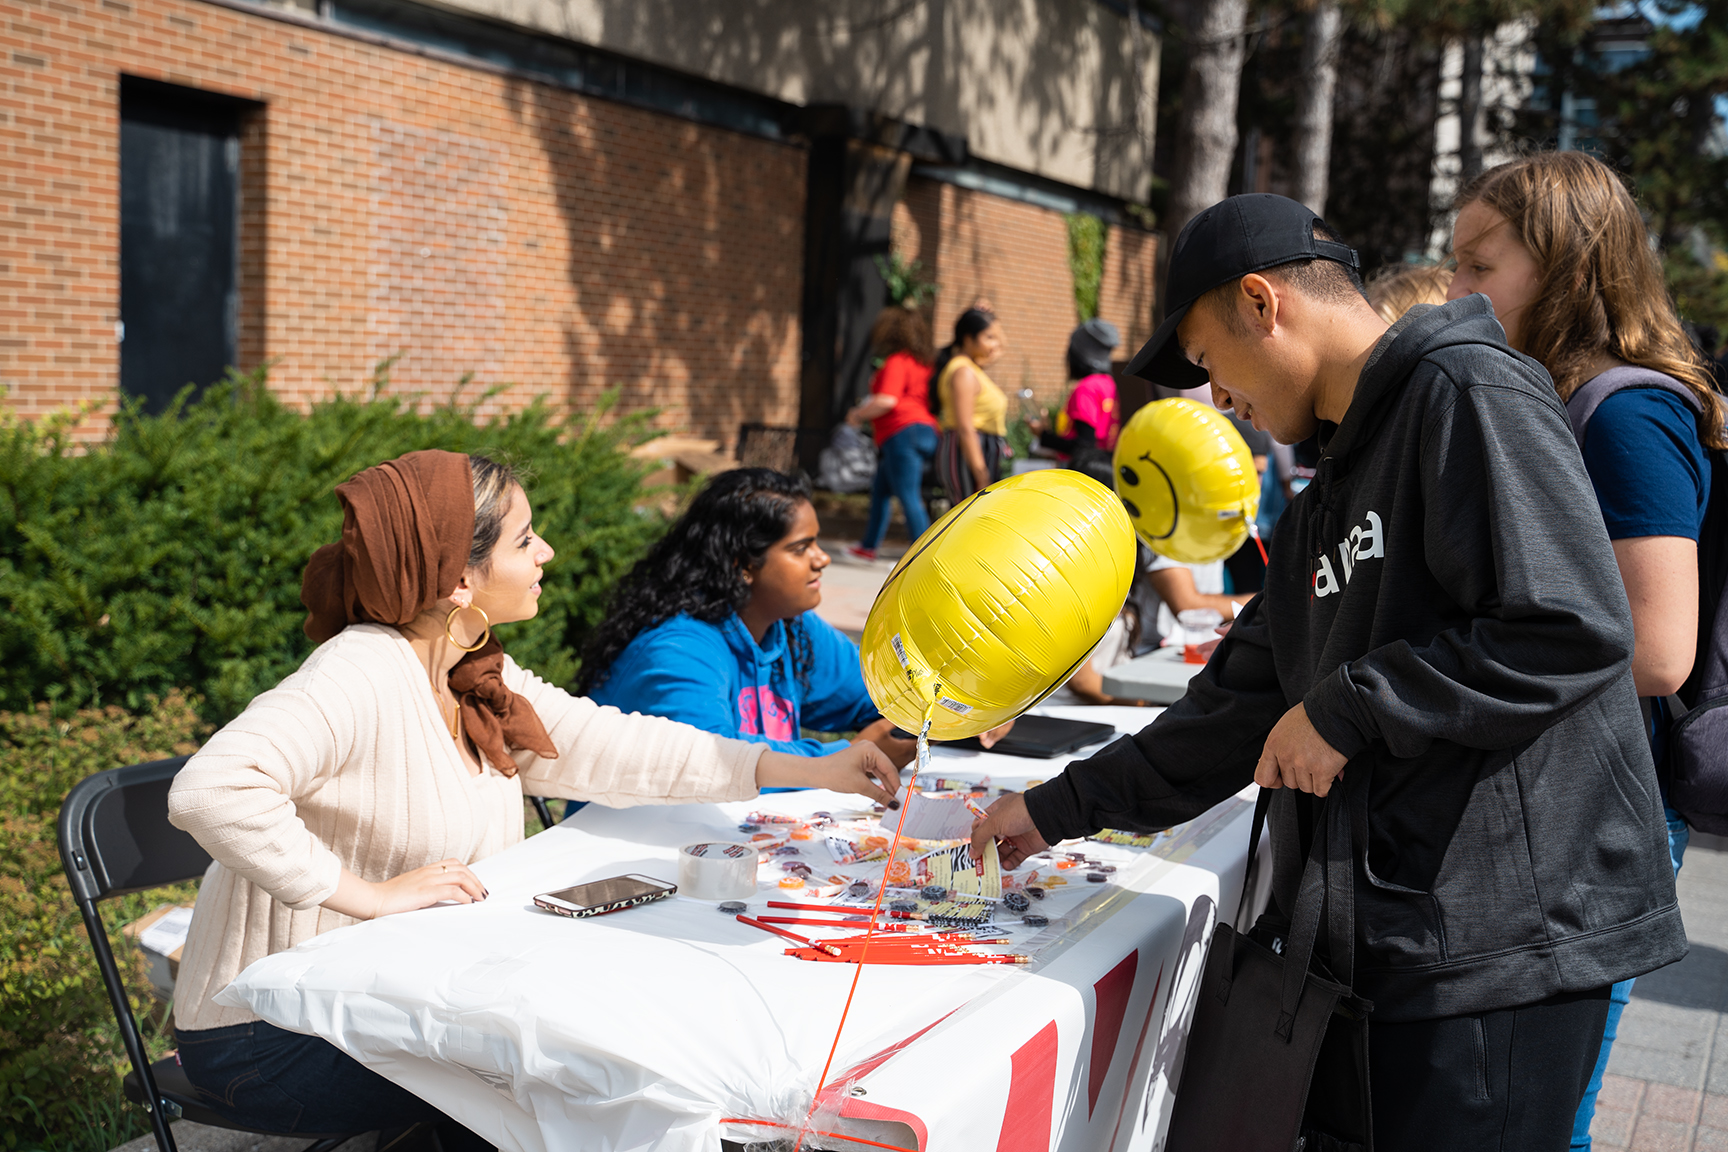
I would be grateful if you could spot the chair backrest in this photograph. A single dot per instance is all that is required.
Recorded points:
(768, 446)
(115, 837)
(784, 449)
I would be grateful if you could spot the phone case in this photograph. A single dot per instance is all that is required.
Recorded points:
(602, 909)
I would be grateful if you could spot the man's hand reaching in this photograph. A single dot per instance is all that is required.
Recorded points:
(1010, 825)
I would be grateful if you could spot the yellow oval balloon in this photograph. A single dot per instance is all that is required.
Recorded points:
(998, 602)
(1186, 477)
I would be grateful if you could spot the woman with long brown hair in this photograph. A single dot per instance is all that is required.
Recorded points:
(898, 409)
(1559, 247)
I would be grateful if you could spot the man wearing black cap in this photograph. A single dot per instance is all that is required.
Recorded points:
(1444, 617)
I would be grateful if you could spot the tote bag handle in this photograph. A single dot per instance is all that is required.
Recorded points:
(1328, 889)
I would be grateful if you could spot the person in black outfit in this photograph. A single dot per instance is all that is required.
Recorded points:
(1444, 644)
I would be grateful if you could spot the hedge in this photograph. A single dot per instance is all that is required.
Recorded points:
(169, 557)
(60, 1053)
(152, 585)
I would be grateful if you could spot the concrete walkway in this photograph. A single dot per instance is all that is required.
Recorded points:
(1667, 1084)
(190, 1137)
(849, 586)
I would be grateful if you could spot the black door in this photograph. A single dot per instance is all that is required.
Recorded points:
(179, 186)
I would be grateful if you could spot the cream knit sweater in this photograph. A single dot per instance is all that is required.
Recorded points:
(348, 764)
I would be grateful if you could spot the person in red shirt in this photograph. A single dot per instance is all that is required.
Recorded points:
(898, 408)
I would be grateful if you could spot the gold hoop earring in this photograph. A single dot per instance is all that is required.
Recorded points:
(484, 636)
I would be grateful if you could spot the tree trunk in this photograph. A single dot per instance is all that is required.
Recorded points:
(1470, 112)
(1206, 130)
(1316, 82)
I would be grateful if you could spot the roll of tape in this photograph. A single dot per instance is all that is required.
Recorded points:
(718, 870)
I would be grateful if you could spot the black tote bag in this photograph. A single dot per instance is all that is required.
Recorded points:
(1277, 1056)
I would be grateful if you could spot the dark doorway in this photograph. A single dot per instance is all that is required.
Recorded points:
(179, 209)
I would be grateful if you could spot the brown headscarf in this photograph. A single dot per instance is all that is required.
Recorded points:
(407, 527)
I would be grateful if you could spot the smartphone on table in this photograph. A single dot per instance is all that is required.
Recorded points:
(603, 896)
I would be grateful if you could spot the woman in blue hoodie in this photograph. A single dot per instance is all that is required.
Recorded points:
(716, 627)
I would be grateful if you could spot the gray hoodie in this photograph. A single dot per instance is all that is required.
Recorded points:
(1444, 601)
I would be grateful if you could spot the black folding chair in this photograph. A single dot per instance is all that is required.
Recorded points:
(114, 839)
(543, 810)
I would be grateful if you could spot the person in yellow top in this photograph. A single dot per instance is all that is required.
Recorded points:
(972, 411)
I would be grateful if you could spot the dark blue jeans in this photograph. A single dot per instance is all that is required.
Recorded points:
(900, 474)
(1678, 835)
(265, 1077)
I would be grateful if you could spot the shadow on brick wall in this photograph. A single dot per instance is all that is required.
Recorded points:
(682, 248)
(685, 242)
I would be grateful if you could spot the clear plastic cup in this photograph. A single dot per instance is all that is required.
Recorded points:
(1199, 626)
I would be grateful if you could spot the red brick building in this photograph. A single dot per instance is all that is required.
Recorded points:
(352, 184)
(1014, 254)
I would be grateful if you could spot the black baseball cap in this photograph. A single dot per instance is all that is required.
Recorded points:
(1247, 233)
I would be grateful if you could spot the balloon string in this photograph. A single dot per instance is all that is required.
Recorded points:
(1254, 531)
(921, 763)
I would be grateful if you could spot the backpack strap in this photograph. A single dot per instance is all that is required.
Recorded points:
(1583, 403)
(1710, 667)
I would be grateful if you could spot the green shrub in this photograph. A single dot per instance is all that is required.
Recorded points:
(1086, 236)
(908, 282)
(60, 1053)
(1700, 289)
(162, 568)
(170, 556)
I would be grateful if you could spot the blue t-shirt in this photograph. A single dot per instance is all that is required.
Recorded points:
(717, 678)
(1652, 478)
(1647, 464)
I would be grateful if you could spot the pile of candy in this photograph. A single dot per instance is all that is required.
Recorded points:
(937, 901)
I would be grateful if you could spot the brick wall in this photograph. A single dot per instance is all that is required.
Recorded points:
(394, 203)
(1016, 255)
(1129, 286)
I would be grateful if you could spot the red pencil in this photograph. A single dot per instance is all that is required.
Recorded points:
(830, 923)
(792, 936)
(863, 913)
(892, 957)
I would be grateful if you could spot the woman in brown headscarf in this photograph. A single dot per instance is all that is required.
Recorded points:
(366, 782)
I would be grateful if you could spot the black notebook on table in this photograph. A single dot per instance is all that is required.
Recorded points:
(1044, 737)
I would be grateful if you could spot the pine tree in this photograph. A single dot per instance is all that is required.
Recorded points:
(1656, 115)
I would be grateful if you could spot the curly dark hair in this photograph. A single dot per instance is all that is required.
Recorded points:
(698, 568)
(900, 329)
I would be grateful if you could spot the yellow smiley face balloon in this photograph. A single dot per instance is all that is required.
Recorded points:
(997, 603)
(1187, 480)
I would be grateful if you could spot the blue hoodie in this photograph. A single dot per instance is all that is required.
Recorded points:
(715, 677)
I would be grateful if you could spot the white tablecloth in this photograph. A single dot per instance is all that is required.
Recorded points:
(671, 1025)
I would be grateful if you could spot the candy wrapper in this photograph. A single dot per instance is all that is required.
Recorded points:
(832, 886)
(847, 851)
(1125, 839)
(953, 869)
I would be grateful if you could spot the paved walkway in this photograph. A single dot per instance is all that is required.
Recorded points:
(1667, 1083)
(190, 1137)
(849, 586)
